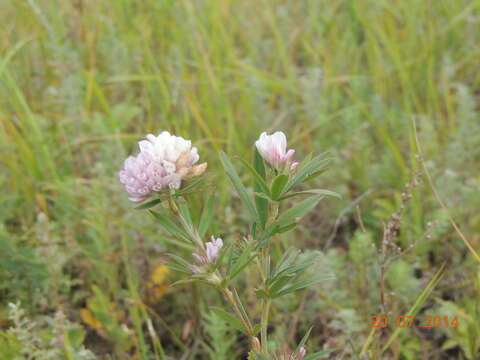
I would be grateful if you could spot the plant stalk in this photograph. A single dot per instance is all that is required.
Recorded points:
(264, 329)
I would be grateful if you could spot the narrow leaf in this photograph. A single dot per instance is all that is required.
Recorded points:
(207, 216)
(179, 268)
(257, 178)
(241, 190)
(300, 209)
(278, 185)
(319, 354)
(304, 340)
(184, 212)
(170, 226)
(313, 166)
(303, 284)
(230, 319)
(418, 303)
(310, 192)
(148, 204)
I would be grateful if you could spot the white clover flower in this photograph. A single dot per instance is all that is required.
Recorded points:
(163, 162)
(273, 148)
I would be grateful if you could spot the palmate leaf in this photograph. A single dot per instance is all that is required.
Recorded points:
(235, 179)
(301, 285)
(242, 261)
(288, 258)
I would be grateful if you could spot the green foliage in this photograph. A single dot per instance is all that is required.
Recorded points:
(221, 340)
(23, 272)
(401, 277)
(467, 334)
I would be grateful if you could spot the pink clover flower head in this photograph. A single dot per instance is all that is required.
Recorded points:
(211, 253)
(273, 148)
(213, 249)
(163, 162)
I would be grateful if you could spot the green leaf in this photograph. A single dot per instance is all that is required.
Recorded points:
(304, 340)
(184, 212)
(241, 190)
(257, 178)
(287, 259)
(310, 192)
(285, 228)
(319, 354)
(182, 281)
(243, 311)
(313, 166)
(316, 174)
(259, 356)
(148, 204)
(242, 261)
(207, 216)
(303, 284)
(416, 306)
(179, 268)
(258, 163)
(230, 319)
(300, 209)
(262, 192)
(262, 294)
(278, 284)
(189, 187)
(170, 226)
(278, 185)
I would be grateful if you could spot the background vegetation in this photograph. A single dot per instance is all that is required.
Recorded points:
(81, 81)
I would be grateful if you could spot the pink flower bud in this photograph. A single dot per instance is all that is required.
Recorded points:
(213, 249)
(211, 254)
(273, 148)
(301, 353)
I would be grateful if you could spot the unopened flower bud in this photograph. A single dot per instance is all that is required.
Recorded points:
(273, 148)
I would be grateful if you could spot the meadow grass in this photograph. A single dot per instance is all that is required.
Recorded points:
(82, 81)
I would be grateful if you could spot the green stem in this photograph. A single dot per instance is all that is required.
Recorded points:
(236, 308)
(264, 337)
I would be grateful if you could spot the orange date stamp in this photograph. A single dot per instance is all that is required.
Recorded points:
(412, 321)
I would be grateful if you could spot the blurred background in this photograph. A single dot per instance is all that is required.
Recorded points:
(82, 81)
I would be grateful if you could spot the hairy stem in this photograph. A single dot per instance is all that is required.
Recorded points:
(264, 336)
(236, 308)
